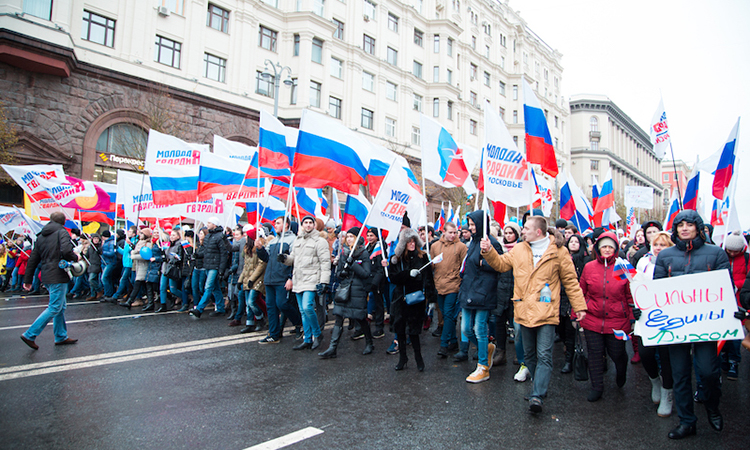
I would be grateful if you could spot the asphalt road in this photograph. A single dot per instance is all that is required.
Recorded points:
(167, 381)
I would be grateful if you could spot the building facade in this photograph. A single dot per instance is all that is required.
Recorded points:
(88, 79)
(602, 136)
(674, 179)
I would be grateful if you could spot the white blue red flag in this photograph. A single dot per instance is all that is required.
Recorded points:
(441, 219)
(674, 208)
(276, 146)
(621, 335)
(310, 202)
(376, 251)
(539, 148)
(173, 166)
(443, 160)
(396, 196)
(574, 206)
(355, 211)
(623, 269)
(271, 208)
(690, 200)
(725, 169)
(606, 197)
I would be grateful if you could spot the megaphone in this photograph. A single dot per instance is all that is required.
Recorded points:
(74, 269)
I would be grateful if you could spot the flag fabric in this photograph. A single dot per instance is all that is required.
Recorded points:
(659, 131)
(623, 269)
(329, 154)
(690, 200)
(544, 195)
(725, 168)
(500, 213)
(355, 211)
(631, 226)
(715, 212)
(335, 207)
(606, 197)
(450, 216)
(621, 335)
(539, 148)
(271, 208)
(173, 166)
(442, 159)
(458, 217)
(34, 180)
(376, 251)
(276, 146)
(438, 259)
(396, 196)
(674, 208)
(375, 175)
(503, 171)
(441, 219)
(574, 205)
(233, 150)
(223, 175)
(309, 202)
(596, 218)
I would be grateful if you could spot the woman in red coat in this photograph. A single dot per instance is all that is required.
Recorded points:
(609, 306)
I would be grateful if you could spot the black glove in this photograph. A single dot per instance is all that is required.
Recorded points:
(741, 313)
(281, 258)
(344, 274)
(322, 288)
(636, 313)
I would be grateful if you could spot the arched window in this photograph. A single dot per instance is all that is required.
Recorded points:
(123, 139)
(594, 123)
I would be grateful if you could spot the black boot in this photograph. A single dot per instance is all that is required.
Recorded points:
(368, 338)
(127, 304)
(331, 352)
(234, 304)
(150, 296)
(568, 366)
(417, 346)
(162, 308)
(402, 358)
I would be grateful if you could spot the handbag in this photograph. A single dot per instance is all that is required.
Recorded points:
(343, 291)
(413, 298)
(173, 271)
(580, 361)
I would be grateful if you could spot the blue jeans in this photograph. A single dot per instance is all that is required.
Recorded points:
(241, 305)
(707, 366)
(537, 355)
(306, 303)
(474, 327)
(109, 287)
(36, 283)
(55, 312)
(94, 283)
(175, 287)
(15, 280)
(251, 302)
(213, 288)
(277, 302)
(198, 282)
(518, 343)
(448, 304)
(80, 286)
(125, 282)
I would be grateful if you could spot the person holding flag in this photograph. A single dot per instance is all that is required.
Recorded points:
(447, 275)
(378, 282)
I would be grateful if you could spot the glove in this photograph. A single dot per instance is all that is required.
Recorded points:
(344, 274)
(636, 313)
(741, 313)
(414, 273)
(322, 288)
(281, 258)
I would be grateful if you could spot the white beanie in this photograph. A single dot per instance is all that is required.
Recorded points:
(735, 242)
(214, 220)
(606, 241)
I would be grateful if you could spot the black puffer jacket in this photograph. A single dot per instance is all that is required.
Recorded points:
(358, 274)
(53, 244)
(215, 250)
(688, 257)
(377, 275)
(504, 291)
(94, 255)
(479, 280)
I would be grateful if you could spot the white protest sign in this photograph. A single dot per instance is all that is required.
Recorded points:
(690, 308)
(639, 197)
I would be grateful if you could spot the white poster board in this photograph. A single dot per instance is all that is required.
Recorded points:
(690, 308)
(639, 197)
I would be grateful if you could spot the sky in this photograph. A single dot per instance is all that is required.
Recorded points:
(696, 55)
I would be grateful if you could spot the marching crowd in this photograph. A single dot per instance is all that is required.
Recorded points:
(485, 285)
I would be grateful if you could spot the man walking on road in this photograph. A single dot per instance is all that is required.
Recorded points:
(215, 252)
(53, 245)
(447, 274)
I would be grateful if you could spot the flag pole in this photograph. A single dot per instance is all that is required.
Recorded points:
(287, 213)
(677, 178)
(426, 203)
(383, 249)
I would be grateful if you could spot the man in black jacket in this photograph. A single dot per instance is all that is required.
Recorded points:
(53, 245)
(214, 251)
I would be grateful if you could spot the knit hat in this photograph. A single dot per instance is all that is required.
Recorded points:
(331, 223)
(120, 233)
(247, 228)
(606, 241)
(106, 234)
(561, 223)
(735, 242)
(353, 230)
(308, 218)
(214, 220)
(514, 226)
(251, 233)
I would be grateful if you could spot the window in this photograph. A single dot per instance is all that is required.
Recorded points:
(214, 68)
(417, 69)
(502, 89)
(487, 51)
(515, 116)
(339, 32)
(487, 29)
(368, 81)
(450, 110)
(436, 74)
(336, 68)
(594, 163)
(274, 3)
(167, 52)
(415, 136)
(557, 122)
(368, 44)
(473, 98)
(418, 37)
(515, 92)
(122, 139)
(267, 38)
(293, 97)
(486, 78)
(217, 18)
(557, 142)
(594, 122)
(435, 107)
(473, 42)
(315, 89)
(436, 43)
(502, 62)
(390, 90)
(390, 127)
(368, 118)
(295, 51)
(664, 177)
(546, 75)
(501, 112)
(38, 8)
(98, 29)
(556, 81)
(176, 6)
(392, 22)
(473, 71)
(317, 50)
(595, 146)
(392, 56)
(263, 86)
(334, 107)
(450, 47)
(417, 103)
(473, 126)
(449, 76)
(515, 140)
(319, 7)
(370, 9)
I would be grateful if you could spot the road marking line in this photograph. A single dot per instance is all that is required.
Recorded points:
(98, 319)
(289, 439)
(110, 360)
(45, 305)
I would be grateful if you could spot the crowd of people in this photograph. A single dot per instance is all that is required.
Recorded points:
(485, 285)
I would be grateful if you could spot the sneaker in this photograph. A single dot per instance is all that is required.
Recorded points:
(195, 313)
(269, 340)
(378, 334)
(490, 354)
(482, 373)
(357, 336)
(732, 372)
(393, 349)
(522, 374)
(535, 404)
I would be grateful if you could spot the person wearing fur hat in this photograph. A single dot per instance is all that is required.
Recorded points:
(311, 274)
(353, 270)
(609, 305)
(735, 246)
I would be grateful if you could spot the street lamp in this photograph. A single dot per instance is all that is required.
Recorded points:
(278, 70)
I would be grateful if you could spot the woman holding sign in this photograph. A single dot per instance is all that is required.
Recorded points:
(608, 322)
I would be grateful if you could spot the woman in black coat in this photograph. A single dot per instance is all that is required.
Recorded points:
(354, 269)
(579, 253)
(407, 279)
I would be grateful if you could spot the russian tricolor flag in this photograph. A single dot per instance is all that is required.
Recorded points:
(329, 154)
(674, 208)
(690, 201)
(539, 148)
(270, 209)
(606, 198)
(567, 204)
(222, 175)
(621, 335)
(376, 174)
(623, 269)
(355, 211)
(574, 206)
(715, 212)
(441, 220)
(173, 166)
(376, 251)
(276, 145)
(309, 202)
(725, 169)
